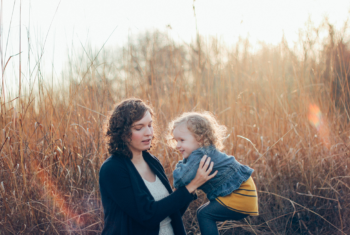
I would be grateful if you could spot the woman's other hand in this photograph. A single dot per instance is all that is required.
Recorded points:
(203, 174)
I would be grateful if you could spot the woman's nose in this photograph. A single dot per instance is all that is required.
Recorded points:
(149, 131)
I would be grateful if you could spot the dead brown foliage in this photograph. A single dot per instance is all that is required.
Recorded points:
(51, 147)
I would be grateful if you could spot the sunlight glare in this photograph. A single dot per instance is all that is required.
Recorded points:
(53, 193)
(318, 121)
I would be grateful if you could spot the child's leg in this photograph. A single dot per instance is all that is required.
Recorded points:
(212, 211)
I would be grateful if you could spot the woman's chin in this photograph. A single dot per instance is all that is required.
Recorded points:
(146, 147)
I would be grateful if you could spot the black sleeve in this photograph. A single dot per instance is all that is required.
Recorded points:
(183, 209)
(115, 180)
(194, 195)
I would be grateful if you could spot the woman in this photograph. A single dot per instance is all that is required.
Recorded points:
(135, 192)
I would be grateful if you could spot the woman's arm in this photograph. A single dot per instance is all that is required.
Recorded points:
(116, 183)
(183, 209)
(115, 180)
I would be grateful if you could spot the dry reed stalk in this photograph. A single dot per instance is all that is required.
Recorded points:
(262, 96)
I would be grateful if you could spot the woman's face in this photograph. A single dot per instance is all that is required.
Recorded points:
(141, 134)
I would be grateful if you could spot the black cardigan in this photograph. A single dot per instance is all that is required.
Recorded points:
(128, 205)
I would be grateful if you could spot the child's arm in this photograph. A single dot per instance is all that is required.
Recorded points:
(184, 173)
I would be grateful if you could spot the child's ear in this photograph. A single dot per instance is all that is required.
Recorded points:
(201, 142)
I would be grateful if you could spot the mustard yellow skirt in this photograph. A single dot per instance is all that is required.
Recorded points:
(243, 200)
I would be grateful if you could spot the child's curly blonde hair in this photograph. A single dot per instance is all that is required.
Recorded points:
(203, 126)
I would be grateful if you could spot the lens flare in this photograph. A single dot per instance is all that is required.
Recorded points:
(318, 121)
(54, 194)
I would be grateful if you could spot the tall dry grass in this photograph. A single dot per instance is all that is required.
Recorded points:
(52, 145)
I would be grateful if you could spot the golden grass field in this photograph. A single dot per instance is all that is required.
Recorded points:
(286, 109)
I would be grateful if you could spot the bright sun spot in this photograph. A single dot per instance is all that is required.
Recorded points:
(319, 122)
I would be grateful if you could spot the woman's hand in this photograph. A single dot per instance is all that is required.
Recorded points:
(202, 175)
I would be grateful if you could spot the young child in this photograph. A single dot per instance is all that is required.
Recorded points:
(232, 193)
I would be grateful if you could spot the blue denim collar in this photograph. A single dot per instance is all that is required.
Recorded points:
(206, 149)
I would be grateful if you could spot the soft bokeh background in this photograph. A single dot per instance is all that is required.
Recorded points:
(276, 74)
(52, 31)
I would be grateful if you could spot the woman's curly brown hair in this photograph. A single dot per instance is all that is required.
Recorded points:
(203, 126)
(117, 129)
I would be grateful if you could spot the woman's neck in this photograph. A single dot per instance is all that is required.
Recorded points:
(137, 158)
(142, 167)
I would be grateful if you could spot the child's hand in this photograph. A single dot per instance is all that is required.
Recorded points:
(203, 174)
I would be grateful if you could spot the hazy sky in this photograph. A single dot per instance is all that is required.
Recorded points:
(77, 21)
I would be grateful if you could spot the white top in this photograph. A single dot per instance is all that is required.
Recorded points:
(159, 192)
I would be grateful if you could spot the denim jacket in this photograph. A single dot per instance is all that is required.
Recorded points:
(231, 174)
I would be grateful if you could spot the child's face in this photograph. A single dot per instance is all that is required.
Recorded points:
(186, 143)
